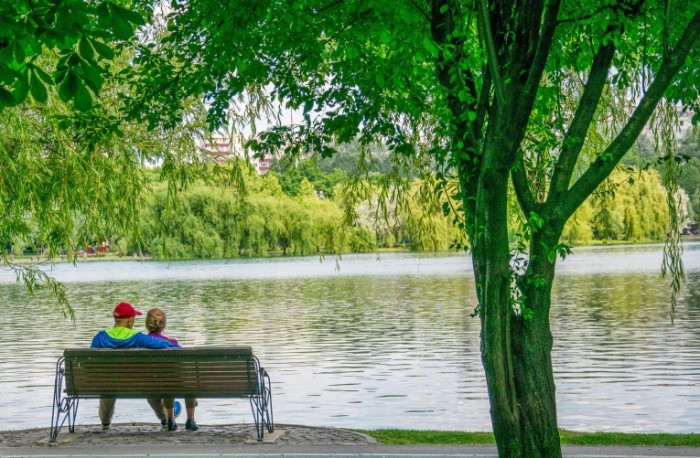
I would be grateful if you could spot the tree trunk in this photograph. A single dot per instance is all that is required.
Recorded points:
(492, 270)
(516, 352)
(532, 349)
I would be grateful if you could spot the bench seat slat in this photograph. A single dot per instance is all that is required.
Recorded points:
(210, 371)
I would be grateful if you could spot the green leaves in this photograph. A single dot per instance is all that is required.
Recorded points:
(6, 98)
(431, 47)
(561, 249)
(77, 35)
(120, 20)
(82, 99)
(102, 49)
(68, 86)
(37, 88)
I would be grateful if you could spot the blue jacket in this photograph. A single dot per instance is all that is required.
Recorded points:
(125, 339)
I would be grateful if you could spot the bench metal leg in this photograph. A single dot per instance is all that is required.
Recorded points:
(261, 405)
(257, 416)
(64, 407)
(72, 412)
(59, 406)
(267, 401)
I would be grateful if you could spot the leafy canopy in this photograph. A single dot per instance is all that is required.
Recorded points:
(80, 36)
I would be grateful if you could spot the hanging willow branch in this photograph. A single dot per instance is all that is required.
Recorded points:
(672, 265)
(35, 279)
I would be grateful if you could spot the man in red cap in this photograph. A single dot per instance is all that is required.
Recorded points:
(122, 335)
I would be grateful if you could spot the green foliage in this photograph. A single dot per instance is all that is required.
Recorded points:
(426, 227)
(58, 193)
(206, 221)
(363, 240)
(79, 34)
(290, 177)
(688, 167)
(213, 220)
(71, 178)
(630, 207)
(210, 219)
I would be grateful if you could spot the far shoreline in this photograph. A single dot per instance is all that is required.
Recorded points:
(38, 260)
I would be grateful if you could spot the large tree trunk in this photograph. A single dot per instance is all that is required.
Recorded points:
(516, 352)
(532, 351)
(492, 271)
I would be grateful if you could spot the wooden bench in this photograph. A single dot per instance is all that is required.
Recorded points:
(198, 372)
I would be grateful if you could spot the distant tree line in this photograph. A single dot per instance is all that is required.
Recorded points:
(300, 211)
(303, 209)
(279, 214)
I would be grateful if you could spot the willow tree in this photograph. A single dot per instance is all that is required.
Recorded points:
(494, 92)
(70, 163)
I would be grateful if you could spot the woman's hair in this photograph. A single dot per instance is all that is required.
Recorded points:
(155, 320)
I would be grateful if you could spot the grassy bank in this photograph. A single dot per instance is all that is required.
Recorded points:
(415, 437)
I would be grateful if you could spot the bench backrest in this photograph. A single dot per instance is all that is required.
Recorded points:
(182, 372)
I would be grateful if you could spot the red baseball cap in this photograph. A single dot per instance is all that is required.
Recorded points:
(125, 310)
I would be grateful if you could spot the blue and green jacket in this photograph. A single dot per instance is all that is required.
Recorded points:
(121, 337)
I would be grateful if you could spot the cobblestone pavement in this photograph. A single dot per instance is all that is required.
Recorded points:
(152, 434)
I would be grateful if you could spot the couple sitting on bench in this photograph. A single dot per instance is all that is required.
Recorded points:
(124, 363)
(122, 335)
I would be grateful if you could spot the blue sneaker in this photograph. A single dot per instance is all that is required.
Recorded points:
(177, 408)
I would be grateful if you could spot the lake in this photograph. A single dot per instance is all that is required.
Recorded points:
(373, 341)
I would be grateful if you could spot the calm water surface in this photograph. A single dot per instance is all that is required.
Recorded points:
(374, 342)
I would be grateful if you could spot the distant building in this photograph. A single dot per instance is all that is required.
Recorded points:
(220, 148)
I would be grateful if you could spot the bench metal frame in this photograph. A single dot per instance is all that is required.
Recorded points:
(197, 372)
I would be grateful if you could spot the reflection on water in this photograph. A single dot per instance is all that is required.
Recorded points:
(380, 342)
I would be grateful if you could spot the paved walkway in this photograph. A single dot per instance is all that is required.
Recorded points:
(147, 439)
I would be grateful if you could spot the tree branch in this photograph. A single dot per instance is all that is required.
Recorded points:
(544, 45)
(420, 9)
(584, 16)
(332, 4)
(526, 199)
(485, 25)
(482, 106)
(605, 163)
(576, 134)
